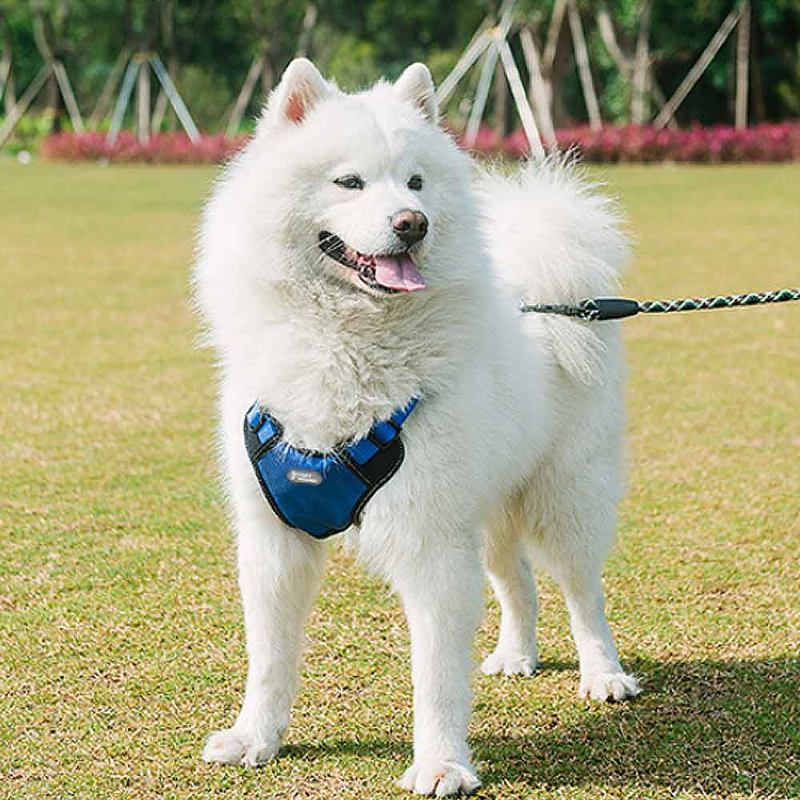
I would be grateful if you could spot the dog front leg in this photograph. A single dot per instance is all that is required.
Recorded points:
(442, 597)
(279, 574)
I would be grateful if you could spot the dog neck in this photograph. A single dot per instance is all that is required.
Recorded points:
(329, 363)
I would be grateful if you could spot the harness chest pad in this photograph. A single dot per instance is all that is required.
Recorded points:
(323, 493)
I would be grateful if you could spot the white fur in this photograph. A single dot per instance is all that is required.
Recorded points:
(514, 453)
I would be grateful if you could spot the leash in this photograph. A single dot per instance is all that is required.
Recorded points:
(603, 308)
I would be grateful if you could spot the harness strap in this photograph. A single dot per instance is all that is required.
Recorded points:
(402, 414)
(380, 435)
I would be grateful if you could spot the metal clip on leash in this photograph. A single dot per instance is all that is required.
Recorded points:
(605, 308)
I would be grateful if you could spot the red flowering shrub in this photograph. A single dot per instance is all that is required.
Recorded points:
(162, 148)
(768, 142)
(516, 144)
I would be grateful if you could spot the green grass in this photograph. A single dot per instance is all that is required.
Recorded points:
(120, 637)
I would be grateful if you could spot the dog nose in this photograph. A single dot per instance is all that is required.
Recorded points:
(410, 226)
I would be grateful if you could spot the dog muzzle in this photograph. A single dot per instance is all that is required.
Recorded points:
(323, 493)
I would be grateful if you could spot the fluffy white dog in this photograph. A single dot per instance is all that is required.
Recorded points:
(352, 258)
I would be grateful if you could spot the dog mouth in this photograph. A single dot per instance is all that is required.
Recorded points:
(386, 273)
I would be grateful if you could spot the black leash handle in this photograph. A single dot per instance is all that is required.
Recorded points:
(605, 308)
(601, 308)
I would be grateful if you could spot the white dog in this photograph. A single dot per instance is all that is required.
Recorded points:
(352, 259)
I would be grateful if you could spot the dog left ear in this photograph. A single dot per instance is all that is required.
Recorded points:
(300, 89)
(415, 86)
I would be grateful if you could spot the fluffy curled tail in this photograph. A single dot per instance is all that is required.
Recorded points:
(555, 238)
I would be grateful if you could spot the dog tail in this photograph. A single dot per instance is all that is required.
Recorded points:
(555, 238)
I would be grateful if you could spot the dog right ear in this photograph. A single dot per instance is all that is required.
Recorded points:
(415, 86)
(300, 89)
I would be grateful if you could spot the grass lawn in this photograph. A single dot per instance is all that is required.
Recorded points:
(121, 644)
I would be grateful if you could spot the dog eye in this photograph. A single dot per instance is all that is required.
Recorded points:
(415, 182)
(350, 182)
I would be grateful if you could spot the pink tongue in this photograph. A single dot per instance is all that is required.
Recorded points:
(398, 272)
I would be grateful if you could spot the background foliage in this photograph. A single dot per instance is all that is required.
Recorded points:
(210, 44)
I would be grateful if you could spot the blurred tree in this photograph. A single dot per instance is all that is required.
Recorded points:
(49, 23)
(210, 45)
(274, 31)
(680, 31)
(7, 88)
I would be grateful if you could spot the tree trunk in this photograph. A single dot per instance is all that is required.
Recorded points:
(261, 26)
(500, 101)
(742, 66)
(584, 68)
(52, 103)
(267, 77)
(537, 92)
(560, 69)
(759, 103)
(605, 26)
(21, 106)
(10, 93)
(309, 20)
(68, 96)
(554, 30)
(641, 67)
(161, 107)
(521, 102)
(42, 36)
(6, 75)
(143, 103)
(110, 86)
(246, 93)
(167, 43)
(698, 68)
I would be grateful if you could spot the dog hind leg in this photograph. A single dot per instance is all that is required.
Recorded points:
(576, 536)
(602, 676)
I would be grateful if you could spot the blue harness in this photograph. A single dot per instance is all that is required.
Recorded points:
(323, 493)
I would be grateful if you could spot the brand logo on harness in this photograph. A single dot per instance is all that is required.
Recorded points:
(306, 476)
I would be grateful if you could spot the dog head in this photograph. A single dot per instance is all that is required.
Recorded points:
(362, 191)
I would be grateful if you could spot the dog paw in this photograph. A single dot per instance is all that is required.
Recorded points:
(609, 686)
(439, 778)
(509, 664)
(237, 747)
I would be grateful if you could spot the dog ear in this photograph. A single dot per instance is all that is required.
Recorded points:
(415, 86)
(300, 89)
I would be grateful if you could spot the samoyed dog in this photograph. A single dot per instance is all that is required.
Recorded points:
(353, 258)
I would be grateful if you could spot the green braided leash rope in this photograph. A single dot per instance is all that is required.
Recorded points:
(603, 308)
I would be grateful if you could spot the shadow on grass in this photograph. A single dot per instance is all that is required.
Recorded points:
(712, 727)
(709, 726)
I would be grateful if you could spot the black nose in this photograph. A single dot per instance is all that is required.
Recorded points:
(410, 226)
